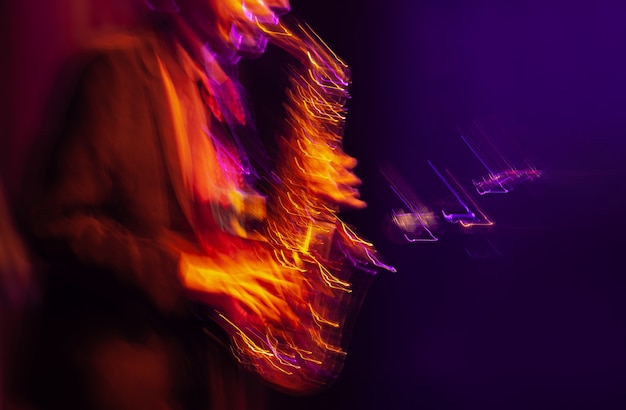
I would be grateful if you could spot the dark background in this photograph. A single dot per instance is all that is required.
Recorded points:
(540, 322)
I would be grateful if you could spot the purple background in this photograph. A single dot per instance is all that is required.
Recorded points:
(543, 326)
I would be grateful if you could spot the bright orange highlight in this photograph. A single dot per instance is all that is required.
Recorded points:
(285, 292)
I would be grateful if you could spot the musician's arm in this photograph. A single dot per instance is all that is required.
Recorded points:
(82, 212)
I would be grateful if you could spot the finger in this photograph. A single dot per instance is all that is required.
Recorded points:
(346, 177)
(347, 161)
(344, 199)
(352, 203)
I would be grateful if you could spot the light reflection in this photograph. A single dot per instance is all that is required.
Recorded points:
(291, 317)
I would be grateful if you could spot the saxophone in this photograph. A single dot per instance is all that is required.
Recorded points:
(329, 264)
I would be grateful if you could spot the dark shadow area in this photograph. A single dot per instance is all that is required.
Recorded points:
(540, 323)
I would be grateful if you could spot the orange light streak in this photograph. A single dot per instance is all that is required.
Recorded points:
(287, 296)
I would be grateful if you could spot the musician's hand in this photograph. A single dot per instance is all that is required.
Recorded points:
(245, 290)
(333, 180)
(346, 194)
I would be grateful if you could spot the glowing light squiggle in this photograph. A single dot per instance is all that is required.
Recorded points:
(292, 299)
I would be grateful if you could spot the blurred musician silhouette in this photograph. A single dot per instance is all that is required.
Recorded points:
(148, 213)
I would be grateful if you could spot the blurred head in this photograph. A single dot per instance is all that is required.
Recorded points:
(230, 26)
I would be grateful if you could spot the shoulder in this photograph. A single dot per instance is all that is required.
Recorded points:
(124, 55)
(119, 42)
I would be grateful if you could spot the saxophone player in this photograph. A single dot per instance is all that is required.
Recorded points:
(148, 208)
